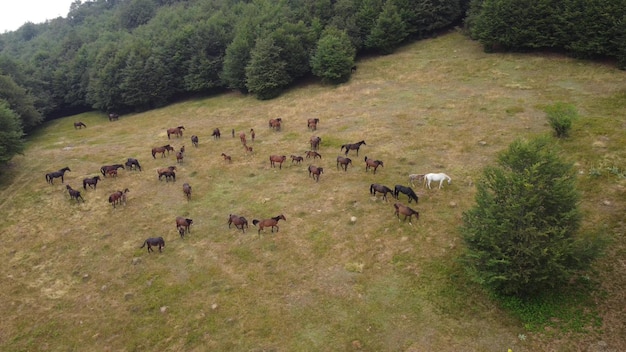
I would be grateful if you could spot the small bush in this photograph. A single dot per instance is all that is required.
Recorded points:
(560, 117)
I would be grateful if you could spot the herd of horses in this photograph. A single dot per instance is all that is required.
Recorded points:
(169, 173)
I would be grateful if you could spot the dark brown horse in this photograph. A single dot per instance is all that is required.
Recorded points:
(315, 171)
(242, 138)
(179, 157)
(79, 125)
(74, 194)
(133, 164)
(227, 158)
(313, 154)
(296, 159)
(183, 223)
(118, 197)
(153, 242)
(168, 174)
(312, 124)
(187, 191)
(252, 134)
(374, 164)
(277, 159)
(315, 142)
(247, 149)
(343, 163)
(178, 131)
(406, 190)
(162, 150)
(375, 187)
(105, 169)
(272, 222)
(353, 146)
(52, 175)
(216, 133)
(113, 116)
(91, 181)
(239, 221)
(275, 123)
(406, 211)
(194, 140)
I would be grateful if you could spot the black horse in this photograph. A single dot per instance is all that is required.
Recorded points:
(91, 181)
(375, 187)
(406, 190)
(153, 242)
(133, 164)
(52, 175)
(353, 146)
(194, 140)
(74, 194)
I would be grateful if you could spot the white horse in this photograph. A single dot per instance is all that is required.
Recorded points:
(440, 177)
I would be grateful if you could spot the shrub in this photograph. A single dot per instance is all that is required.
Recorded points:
(560, 117)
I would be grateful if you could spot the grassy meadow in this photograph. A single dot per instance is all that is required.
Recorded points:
(74, 277)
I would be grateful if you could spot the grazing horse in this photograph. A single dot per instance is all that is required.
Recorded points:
(194, 140)
(315, 171)
(168, 174)
(187, 190)
(440, 177)
(239, 221)
(375, 187)
(91, 181)
(178, 131)
(252, 134)
(416, 177)
(312, 124)
(369, 163)
(52, 175)
(406, 211)
(242, 138)
(277, 159)
(179, 157)
(216, 134)
(315, 142)
(74, 194)
(118, 197)
(113, 116)
(296, 159)
(313, 154)
(165, 171)
(343, 163)
(106, 169)
(153, 242)
(406, 190)
(162, 150)
(79, 125)
(353, 146)
(275, 123)
(247, 149)
(227, 158)
(133, 164)
(183, 223)
(272, 222)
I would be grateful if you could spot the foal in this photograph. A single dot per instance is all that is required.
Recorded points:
(187, 190)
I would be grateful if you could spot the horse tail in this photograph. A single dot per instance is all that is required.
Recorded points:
(84, 185)
(255, 221)
(372, 191)
(144, 244)
(153, 154)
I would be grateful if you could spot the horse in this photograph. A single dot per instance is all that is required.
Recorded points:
(313, 154)
(52, 175)
(183, 223)
(375, 187)
(275, 123)
(182, 149)
(440, 177)
(168, 174)
(178, 131)
(133, 164)
(252, 134)
(353, 69)
(153, 242)
(227, 158)
(277, 159)
(187, 190)
(353, 146)
(239, 221)
(118, 197)
(242, 138)
(315, 171)
(179, 157)
(194, 140)
(343, 163)
(79, 125)
(272, 222)
(416, 177)
(369, 163)
(312, 124)
(113, 116)
(216, 134)
(406, 190)
(74, 194)
(406, 211)
(162, 150)
(315, 142)
(296, 159)
(91, 181)
(247, 149)
(105, 169)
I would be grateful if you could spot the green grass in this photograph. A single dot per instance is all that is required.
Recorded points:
(75, 278)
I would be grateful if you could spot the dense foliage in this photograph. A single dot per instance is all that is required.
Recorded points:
(522, 235)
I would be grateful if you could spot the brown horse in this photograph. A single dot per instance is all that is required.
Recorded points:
(315, 171)
(216, 134)
(91, 181)
(374, 164)
(343, 163)
(79, 125)
(227, 158)
(247, 149)
(312, 124)
(167, 172)
(187, 191)
(406, 211)
(375, 187)
(183, 223)
(252, 134)
(315, 142)
(179, 157)
(74, 194)
(118, 197)
(353, 146)
(106, 169)
(296, 159)
(239, 221)
(313, 154)
(277, 159)
(178, 131)
(272, 222)
(153, 242)
(275, 123)
(162, 150)
(194, 140)
(113, 116)
(52, 175)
